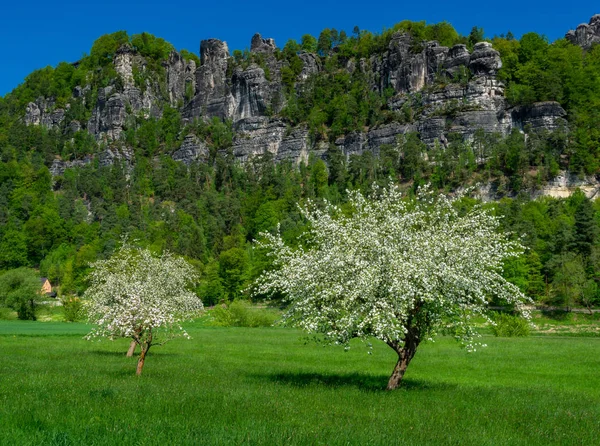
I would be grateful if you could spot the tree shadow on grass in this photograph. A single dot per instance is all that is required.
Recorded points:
(421, 384)
(106, 353)
(123, 353)
(362, 381)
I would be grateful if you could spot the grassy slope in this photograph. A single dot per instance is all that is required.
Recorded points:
(265, 386)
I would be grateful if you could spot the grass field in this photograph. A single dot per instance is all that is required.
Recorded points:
(266, 386)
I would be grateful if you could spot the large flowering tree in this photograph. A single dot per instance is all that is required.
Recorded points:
(392, 268)
(139, 295)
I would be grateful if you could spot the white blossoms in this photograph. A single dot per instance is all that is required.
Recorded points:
(390, 266)
(136, 294)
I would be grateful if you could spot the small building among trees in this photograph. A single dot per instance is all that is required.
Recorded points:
(46, 287)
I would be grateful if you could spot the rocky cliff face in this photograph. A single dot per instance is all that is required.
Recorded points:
(585, 35)
(539, 116)
(311, 65)
(43, 112)
(213, 94)
(259, 135)
(454, 90)
(192, 150)
(407, 71)
(476, 102)
(245, 93)
(357, 143)
(107, 157)
(561, 186)
(181, 78)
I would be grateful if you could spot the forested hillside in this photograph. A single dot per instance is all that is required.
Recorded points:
(197, 154)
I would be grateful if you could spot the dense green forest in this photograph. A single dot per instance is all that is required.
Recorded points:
(211, 212)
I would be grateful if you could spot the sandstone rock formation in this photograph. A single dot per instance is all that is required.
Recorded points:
(124, 62)
(585, 35)
(357, 143)
(251, 95)
(108, 116)
(213, 94)
(312, 65)
(539, 116)
(112, 155)
(453, 91)
(192, 149)
(108, 157)
(259, 135)
(59, 166)
(260, 45)
(181, 78)
(484, 60)
(457, 57)
(43, 112)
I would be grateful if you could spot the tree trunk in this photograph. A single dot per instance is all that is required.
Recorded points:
(405, 354)
(131, 350)
(142, 359)
(399, 369)
(145, 346)
(135, 340)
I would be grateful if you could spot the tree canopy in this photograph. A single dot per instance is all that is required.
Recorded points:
(392, 268)
(20, 289)
(142, 296)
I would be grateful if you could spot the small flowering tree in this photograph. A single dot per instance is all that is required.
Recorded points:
(395, 269)
(138, 295)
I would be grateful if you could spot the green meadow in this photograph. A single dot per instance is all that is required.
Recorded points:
(270, 386)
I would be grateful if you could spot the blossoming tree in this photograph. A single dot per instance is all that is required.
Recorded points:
(138, 295)
(395, 269)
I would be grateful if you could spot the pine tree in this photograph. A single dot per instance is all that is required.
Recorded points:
(585, 230)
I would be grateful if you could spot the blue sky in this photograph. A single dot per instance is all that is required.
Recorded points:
(35, 34)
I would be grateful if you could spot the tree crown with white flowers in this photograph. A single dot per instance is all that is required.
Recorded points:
(394, 268)
(142, 296)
